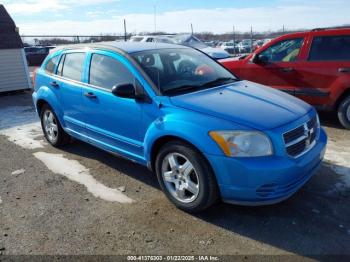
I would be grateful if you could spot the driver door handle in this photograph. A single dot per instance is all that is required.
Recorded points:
(90, 95)
(287, 69)
(54, 84)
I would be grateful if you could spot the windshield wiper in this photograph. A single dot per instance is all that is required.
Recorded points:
(186, 88)
(181, 89)
(220, 80)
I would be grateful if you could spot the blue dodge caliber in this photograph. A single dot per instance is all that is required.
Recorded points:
(205, 133)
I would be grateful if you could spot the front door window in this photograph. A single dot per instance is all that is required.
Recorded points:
(284, 51)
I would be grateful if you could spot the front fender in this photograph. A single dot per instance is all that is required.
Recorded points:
(189, 126)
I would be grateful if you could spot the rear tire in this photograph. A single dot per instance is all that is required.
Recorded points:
(186, 177)
(52, 128)
(344, 112)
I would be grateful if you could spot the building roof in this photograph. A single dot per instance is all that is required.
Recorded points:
(9, 37)
(128, 47)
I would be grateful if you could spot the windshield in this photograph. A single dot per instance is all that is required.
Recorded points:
(182, 70)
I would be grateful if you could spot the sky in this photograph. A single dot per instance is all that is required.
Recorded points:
(95, 17)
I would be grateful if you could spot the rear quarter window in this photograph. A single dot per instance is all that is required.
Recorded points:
(51, 65)
(330, 48)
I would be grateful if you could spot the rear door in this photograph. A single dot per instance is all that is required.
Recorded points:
(326, 68)
(69, 83)
(278, 65)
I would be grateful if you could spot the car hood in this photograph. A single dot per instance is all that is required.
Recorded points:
(215, 53)
(246, 103)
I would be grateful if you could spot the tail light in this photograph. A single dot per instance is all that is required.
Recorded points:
(34, 76)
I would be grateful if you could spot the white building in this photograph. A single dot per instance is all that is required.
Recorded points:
(14, 73)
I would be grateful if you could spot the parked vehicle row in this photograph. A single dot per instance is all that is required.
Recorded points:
(186, 40)
(205, 133)
(230, 47)
(36, 54)
(242, 47)
(259, 43)
(314, 66)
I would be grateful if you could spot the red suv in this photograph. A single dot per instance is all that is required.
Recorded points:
(313, 65)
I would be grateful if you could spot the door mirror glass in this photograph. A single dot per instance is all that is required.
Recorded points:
(124, 90)
(260, 59)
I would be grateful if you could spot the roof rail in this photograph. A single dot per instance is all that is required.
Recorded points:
(334, 27)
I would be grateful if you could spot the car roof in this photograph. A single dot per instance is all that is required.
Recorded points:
(317, 31)
(127, 47)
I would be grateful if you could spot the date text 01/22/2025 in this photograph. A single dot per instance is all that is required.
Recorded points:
(173, 258)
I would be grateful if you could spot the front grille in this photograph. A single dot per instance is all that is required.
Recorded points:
(293, 135)
(300, 139)
(296, 149)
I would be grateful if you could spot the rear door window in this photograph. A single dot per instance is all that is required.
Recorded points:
(73, 64)
(330, 48)
(107, 72)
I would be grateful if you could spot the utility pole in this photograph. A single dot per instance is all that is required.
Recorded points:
(191, 29)
(283, 29)
(155, 19)
(234, 40)
(251, 38)
(125, 31)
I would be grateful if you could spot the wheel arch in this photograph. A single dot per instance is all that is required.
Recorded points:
(46, 96)
(213, 192)
(39, 105)
(160, 141)
(345, 94)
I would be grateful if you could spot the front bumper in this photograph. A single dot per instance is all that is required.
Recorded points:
(265, 180)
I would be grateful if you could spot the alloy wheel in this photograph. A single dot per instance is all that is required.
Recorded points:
(50, 126)
(180, 177)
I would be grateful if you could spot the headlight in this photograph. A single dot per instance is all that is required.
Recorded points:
(242, 143)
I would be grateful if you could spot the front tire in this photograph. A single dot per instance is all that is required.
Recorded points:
(186, 177)
(52, 128)
(344, 112)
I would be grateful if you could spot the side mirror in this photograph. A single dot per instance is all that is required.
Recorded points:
(124, 90)
(260, 59)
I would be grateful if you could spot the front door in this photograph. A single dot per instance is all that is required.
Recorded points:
(112, 122)
(277, 66)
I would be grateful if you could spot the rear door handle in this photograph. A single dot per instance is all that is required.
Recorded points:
(54, 84)
(90, 95)
(344, 70)
(286, 69)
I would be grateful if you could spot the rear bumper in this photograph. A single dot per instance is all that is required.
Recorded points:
(265, 180)
(34, 97)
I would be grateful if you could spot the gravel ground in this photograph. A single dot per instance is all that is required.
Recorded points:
(45, 210)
